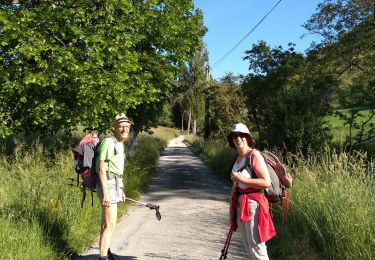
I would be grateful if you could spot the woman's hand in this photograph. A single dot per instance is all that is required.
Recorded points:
(235, 176)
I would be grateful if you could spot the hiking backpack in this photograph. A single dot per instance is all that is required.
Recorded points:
(280, 179)
(84, 165)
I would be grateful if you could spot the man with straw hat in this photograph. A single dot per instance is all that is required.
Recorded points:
(110, 167)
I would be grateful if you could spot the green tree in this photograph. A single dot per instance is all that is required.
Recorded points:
(193, 79)
(334, 18)
(227, 106)
(288, 98)
(64, 63)
(178, 109)
(348, 48)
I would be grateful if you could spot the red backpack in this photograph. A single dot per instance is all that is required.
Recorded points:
(84, 164)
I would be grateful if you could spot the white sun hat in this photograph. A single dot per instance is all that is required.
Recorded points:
(240, 128)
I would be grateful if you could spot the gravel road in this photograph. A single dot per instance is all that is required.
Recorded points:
(194, 208)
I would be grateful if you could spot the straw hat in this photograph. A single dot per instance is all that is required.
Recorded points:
(121, 118)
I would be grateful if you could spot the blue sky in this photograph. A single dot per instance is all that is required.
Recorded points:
(228, 21)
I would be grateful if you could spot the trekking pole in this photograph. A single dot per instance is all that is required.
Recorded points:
(149, 205)
(224, 251)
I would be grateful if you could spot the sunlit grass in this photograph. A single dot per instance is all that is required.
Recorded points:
(214, 153)
(331, 204)
(40, 214)
(165, 134)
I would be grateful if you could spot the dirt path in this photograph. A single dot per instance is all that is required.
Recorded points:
(194, 209)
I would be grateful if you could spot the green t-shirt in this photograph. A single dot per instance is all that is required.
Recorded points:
(112, 151)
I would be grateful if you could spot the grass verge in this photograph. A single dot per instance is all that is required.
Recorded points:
(40, 214)
(331, 204)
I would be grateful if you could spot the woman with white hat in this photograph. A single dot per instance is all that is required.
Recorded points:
(249, 207)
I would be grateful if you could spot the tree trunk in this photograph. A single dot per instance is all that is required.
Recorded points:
(255, 115)
(207, 118)
(182, 124)
(131, 143)
(189, 122)
(194, 127)
(134, 133)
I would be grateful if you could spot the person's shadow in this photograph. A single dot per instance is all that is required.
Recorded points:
(96, 257)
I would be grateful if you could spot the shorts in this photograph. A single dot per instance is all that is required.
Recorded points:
(115, 189)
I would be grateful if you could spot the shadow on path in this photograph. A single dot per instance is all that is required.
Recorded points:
(96, 257)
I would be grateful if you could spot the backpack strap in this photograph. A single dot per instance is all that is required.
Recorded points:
(92, 191)
(249, 164)
(109, 174)
(233, 162)
(84, 196)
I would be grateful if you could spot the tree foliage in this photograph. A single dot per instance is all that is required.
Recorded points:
(348, 30)
(334, 18)
(226, 106)
(348, 48)
(64, 63)
(287, 97)
(193, 80)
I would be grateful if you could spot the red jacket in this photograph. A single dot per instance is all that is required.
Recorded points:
(265, 225)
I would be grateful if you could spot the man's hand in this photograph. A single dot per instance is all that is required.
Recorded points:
(106, 200)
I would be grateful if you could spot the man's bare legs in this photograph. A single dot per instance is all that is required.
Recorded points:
(109, 219)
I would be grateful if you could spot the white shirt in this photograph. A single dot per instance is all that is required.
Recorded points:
(244, 173)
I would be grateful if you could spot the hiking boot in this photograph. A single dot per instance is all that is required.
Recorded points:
(111, 256)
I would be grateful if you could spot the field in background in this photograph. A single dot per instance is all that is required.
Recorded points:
(340, 131)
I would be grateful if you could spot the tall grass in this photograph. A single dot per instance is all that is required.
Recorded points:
(40, 214)
(35, 196)
(331, 211)
(215, 154)
(165, 134)
(332, 206)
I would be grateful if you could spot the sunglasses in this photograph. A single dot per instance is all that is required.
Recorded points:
(123, 127)
(241, 135)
